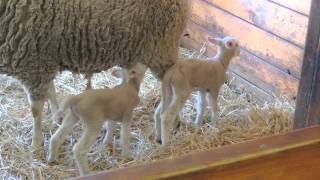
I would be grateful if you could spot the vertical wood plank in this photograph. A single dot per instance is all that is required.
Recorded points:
(308, 100)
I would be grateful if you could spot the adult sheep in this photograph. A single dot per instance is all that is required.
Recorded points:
(40, 38)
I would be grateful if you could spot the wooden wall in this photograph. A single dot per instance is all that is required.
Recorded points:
(272, 36)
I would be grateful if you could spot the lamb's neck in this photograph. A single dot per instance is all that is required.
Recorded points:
(223, 57)
(134, 82)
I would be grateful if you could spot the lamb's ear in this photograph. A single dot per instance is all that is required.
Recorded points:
(215, 41)
(119, 73)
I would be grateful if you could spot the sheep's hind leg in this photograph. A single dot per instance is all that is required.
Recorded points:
(53, 98)
(36, 109)
(88, 76)
(36, 86)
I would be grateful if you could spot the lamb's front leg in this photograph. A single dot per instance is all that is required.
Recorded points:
(125, 136)
(157, 123)
(200, 107)
(213, 102)
(109, 126)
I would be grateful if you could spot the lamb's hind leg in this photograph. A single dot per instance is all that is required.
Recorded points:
(125, 136)
(169, 115)
(59, 136)
(109, 126)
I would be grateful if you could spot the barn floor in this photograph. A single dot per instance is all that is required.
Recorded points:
(240, 120)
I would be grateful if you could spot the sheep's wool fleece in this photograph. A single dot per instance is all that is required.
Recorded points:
(38, 38)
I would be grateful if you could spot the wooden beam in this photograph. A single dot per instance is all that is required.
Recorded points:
(293, 155)
(308, 101)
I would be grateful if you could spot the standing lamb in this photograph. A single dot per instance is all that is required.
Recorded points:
(40, 38)
(180, 80)
(93, 108)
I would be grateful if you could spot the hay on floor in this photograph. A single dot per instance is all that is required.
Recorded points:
(240, 120)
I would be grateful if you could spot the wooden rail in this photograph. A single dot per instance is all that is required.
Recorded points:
(294, 155)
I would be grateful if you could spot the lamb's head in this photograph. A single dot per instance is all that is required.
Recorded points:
(135, 73)
(227, 44)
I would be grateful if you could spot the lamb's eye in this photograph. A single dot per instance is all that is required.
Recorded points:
(229, 44)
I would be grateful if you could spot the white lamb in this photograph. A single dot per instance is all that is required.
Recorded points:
(94, 107)
(205, 76)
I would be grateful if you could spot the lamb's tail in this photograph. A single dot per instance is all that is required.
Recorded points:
(66, 104)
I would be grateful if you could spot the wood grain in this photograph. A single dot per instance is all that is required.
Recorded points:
(302, 6)
(300, 163)
(268, 16)
(248, 66)
(258, 95)
(295, 155)
(272, 49)
(308, 101)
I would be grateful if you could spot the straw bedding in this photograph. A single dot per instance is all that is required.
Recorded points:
(240, 120)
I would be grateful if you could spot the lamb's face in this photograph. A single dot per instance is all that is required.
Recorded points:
(231, 44)
(227, 44)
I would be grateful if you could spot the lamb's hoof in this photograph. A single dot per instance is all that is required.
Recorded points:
(126, 155)
(38, 153)
(36, 150)
(163, 144)
(215, 129)
(159, 141)
(178, 124)
(107, 142)
(58, 120)
(52, 161)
